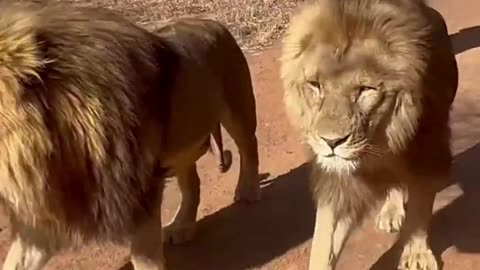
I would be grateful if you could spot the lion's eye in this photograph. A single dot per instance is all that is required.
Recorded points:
(367, 96)
(314, 86)
(364, 88)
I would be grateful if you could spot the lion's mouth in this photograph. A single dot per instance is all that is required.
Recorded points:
(342, 153)
(333, 155)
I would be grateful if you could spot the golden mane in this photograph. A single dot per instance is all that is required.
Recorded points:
(398, 27)
(47, 105)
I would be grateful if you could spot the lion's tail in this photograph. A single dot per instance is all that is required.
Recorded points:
(20, 54)
(223, 157)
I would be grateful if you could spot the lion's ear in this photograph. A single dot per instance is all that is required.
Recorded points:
(404, 121)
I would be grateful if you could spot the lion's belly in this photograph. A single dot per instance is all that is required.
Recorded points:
(183, 155)
(188, 141)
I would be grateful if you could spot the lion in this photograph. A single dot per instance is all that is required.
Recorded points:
(369, 84)
(96, 112)
(208, 52)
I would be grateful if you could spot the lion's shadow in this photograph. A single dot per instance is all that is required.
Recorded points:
(466, 39)
(243, 236)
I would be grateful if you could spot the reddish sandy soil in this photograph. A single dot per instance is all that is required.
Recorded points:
(275, 233)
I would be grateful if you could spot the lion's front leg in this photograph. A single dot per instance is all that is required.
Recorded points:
(321, 252)
(417, 254)
(392, 214)
(328, 238)
(30, 250)
(341, 233)
(182, 227)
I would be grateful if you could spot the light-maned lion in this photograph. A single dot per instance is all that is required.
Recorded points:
(96, 112)
(370, 83)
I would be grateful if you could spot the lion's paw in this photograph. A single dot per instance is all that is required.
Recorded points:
(390, 218)
(417, 258)
(176, 234)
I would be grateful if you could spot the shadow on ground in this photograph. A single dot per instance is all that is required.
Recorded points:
(243, 236)
(458, 223)
(466, 39)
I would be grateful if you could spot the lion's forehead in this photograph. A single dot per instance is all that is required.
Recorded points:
(355, 66)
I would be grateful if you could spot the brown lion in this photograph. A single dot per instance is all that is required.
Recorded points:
(96, 112)
(370, 83)
(209, 59)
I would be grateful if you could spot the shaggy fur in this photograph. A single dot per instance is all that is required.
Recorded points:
(370, 83)
(95, 113)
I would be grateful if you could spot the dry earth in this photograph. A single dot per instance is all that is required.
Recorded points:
(275, 233)
(256, 24)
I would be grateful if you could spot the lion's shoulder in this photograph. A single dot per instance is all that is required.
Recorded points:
(198, 37)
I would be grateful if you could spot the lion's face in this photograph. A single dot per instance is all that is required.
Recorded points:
(353, 83)
(351, 104)
(347, 105)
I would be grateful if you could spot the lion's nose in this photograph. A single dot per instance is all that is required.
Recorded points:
(335, 141)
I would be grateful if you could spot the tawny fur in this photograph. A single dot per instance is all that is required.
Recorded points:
(96, 112)
(379, 76)
(214, 70)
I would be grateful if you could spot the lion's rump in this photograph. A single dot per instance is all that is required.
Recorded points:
(83, 138)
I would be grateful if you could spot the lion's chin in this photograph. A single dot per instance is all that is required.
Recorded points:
(337, 165)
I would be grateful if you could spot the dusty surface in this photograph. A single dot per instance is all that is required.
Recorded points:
(275, 233)
(256, 24)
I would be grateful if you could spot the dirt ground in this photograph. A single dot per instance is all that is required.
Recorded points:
(256, 24)
(275, 233)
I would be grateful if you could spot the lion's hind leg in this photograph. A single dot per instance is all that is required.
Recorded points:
(248, 186)
(182, 227)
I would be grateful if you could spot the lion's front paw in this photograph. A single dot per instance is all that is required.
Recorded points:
(390, 218)
(176, 233)
(417, 257)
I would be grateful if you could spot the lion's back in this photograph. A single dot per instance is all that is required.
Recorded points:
(207, 42)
